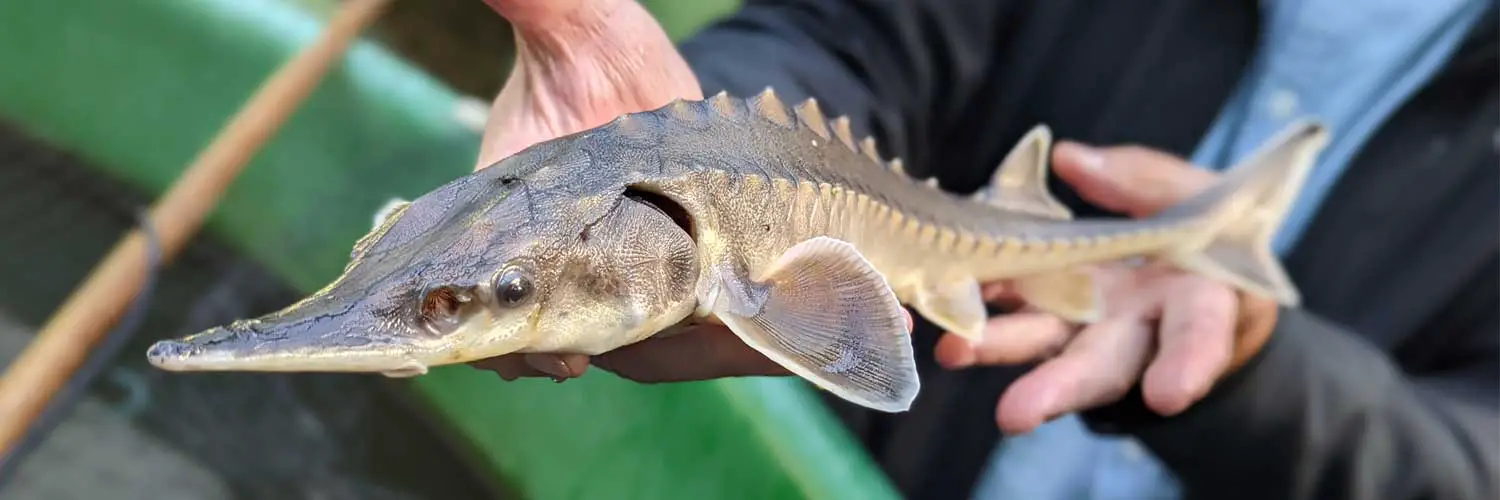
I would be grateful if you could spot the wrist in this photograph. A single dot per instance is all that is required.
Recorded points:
(530, 15)
(567, 27)
(602, 49)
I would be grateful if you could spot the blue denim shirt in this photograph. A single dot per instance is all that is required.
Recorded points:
(1348, 63)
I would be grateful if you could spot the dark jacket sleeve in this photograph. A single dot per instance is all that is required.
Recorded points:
(1324, 413)
(896, 68)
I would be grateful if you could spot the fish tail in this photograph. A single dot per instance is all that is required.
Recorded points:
(1242, 212)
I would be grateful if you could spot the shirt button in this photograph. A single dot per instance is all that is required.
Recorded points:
(1283, 103)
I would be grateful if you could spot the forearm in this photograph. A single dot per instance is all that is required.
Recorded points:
(1320, 413)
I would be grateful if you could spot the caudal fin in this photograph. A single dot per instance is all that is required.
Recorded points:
(1244, 210)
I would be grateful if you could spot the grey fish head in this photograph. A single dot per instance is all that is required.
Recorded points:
(468, 271)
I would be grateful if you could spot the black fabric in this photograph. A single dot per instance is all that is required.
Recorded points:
(1382, 386)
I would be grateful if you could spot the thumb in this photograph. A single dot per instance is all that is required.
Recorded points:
(1130, 179)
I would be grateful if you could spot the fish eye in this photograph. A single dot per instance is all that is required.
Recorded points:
(512, 287)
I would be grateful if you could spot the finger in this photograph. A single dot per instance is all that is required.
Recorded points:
(1196, 338)
(1257, 321)
(1002, 294)
(996, 290)
(1099, 366)
(509, 367)
(1010, 339)
(1132, 180)
(700, 353)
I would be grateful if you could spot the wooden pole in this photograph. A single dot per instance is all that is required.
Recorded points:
(65, 341)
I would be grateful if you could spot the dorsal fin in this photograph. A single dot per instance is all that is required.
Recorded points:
(1020, 182)
(769, 106)
(841, 131)
(812, 117)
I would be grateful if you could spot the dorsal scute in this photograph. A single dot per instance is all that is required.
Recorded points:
(716, 107)
(629, 125)
(867, 146)
(682, 109)
(725, 106)
(811, 117)
(769, 106)
(842, 131)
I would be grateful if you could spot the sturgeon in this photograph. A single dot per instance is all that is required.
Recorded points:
(768, 218)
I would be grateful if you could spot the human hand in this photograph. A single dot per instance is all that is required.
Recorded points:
(580, 64)
(699, 352)
(1173, 332)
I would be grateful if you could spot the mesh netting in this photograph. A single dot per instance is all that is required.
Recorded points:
(144, 433)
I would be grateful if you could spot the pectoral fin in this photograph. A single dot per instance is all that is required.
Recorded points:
(957, 306)
(823, 312)
(1070, 294)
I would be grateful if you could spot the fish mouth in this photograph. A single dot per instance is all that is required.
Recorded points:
(295, 347)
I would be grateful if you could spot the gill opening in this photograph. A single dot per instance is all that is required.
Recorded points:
(667, 206)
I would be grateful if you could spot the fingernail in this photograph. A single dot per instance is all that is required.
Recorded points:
(1086, 157)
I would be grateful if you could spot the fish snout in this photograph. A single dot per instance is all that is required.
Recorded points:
(162, 352)
(176, 355)
(212, 346)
